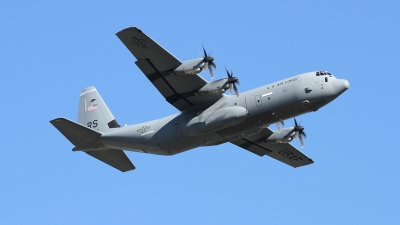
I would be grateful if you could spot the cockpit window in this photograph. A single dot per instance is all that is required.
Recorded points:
(322, 73)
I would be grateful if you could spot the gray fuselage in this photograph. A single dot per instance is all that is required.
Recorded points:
(213, 124)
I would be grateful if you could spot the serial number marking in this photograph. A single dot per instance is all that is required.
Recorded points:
(289, 155)
(92, 124)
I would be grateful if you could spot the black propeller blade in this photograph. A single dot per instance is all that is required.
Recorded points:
(232, 82)
(208, 63)
(299, 132)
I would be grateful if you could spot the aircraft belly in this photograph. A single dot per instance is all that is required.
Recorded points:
(182, 144)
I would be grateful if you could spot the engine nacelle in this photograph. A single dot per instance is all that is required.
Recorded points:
(217, 120)
(215, 87)
(281, 136)
(193, 66)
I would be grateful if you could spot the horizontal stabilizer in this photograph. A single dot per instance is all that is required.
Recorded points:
(76, 133)
(114, 158)
(86, 139)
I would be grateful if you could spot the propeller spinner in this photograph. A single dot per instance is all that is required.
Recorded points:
(208, 63)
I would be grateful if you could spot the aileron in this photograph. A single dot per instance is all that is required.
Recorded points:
(143, 47)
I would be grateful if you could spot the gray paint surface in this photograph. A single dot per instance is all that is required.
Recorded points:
(208, 117)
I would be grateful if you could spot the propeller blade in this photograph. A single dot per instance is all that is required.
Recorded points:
(204, 50)
(227, 72)
(236, 90)
(296, 135)
(299, 132)
(213, 65)
(278, 124)
(211, 70)
(205, 66)
(208, 63)
(301, 140)
(232, 81)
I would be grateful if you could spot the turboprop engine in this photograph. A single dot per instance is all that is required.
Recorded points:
(287, 135)
(193, 66)
(281, 136)
(221, 85)
(216, 120)
(215, 87)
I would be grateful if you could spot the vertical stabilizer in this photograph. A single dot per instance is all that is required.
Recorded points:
(93, 111)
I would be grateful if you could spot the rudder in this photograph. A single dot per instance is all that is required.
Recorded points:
(93, 111)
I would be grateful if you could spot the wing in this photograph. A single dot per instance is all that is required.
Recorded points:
(283, 152)
(158, 65)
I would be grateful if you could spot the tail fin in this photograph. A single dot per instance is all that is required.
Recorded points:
(87, 140)
(93, 111)
(94, 119)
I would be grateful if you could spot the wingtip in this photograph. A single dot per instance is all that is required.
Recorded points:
(57, 120)
(128, 170)
(129, 28)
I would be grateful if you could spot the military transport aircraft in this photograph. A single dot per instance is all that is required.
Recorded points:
(207, 116)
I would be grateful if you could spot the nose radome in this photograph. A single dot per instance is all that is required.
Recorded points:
(346, 84)
(339, 86)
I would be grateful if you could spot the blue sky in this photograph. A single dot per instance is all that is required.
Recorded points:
(50, 51)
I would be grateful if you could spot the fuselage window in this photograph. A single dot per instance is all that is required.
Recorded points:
(326, 79)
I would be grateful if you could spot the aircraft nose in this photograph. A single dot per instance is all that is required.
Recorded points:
(339, 86)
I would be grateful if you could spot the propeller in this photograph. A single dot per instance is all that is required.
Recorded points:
(208, 63)
(299, 132)
(278, 124)
(231, 82)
